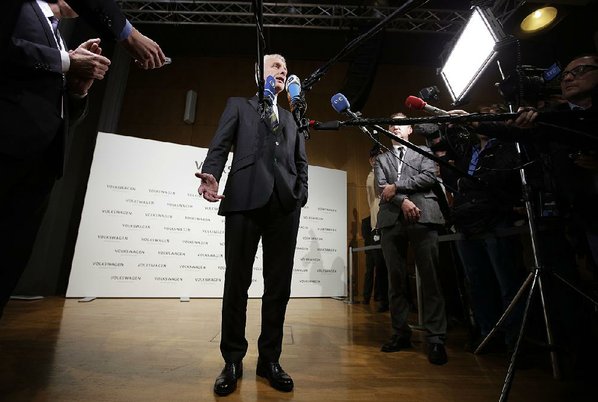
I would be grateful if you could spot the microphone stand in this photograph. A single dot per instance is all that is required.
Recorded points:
(362, 123)
(440, 161)
(298, 109)
(258, 10)
(544, 118)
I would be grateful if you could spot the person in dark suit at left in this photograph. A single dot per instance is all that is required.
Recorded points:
(106, 17)
(43, 91)
(265, 190)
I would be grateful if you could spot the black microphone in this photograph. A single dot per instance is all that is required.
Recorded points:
(324, 125)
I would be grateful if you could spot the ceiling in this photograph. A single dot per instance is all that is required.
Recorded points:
(417, 39)
(419, 45)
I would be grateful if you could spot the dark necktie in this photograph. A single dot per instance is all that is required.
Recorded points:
(400, 153)
(273, 119)
(54, 22)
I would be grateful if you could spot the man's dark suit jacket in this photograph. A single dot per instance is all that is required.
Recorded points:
(260, 160)
(32, 90)
(103, 15)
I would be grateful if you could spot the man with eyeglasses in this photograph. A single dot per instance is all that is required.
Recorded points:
(579, 80)
(574, 160)
(570, 163)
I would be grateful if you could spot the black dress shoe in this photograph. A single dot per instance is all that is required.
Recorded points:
(275, 375)
(395, 344)
(227, 380)
(437, 354)
(383, 308)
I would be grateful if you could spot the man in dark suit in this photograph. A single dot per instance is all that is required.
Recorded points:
(265, 190)
(105, 17)
(43, 89)
(409, 213)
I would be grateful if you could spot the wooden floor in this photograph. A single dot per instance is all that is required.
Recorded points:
(164, 350)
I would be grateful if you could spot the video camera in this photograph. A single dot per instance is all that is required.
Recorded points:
(529, 84)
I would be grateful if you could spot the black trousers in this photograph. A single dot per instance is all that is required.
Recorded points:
(278, 230)
(25, 188)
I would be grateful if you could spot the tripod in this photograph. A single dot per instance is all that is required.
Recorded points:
(535, 282)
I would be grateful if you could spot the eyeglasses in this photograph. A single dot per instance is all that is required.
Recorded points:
(578, 71)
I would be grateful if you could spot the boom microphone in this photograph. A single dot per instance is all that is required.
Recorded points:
(341, 104)
(413, 102)
(293, 88)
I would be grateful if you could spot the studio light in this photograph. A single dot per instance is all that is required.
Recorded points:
(471, 53)
(539, 19)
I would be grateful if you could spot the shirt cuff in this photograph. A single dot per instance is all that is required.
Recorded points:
(126, 32)
(66, 61)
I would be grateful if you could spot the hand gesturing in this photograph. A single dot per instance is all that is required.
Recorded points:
(208, 187)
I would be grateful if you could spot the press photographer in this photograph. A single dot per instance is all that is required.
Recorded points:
(568, 153)
(482, 210)
(563, 177)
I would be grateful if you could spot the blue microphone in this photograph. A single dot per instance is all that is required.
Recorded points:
(341, 104)
(293, 88)
(270, 90)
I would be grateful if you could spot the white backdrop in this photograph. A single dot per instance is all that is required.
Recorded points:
(145, 232)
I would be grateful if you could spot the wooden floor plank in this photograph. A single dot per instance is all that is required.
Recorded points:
(163, 350)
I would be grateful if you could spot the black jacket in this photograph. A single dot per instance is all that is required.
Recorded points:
(261, 160)
(32, 90)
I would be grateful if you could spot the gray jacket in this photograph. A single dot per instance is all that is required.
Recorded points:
(417, 181)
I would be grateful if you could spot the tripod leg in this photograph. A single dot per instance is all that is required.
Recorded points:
(504, 393)
(504, 316)
(566, 282)
(553, 355)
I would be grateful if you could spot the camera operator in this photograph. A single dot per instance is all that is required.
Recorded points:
(482, 210)
(567, 191)
(574, 163)
(569, 162)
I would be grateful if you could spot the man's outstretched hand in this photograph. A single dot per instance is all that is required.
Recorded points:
(208, 187)
(146, 52)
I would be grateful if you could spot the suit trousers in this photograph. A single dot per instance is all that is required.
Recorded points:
(424, 239)
(277, 229)
(376, 277)
(24, 194)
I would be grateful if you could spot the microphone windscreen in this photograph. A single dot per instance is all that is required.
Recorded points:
(413, 102)
(270, 89)
(428, 130)
(293, 87)
(340, 103)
